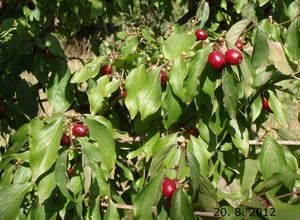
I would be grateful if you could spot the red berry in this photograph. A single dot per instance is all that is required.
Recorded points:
(124, 93)
(233, 57)
(201, 34)
(106, 69)
(71, 171)
(163, 77)
(65, 140)
(2, 111)
(239, 44)
(193, 131)
(47, 53)
(168, 188)
(216, 59)
(31, 5)
(266, 106)
(80, 130)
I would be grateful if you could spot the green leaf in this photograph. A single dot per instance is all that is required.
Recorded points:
(172, 108)
(240, 136)
(44, 147)
(61, 174)
(284, 210)
(292, 40)
(111, 212)
(249, 175)
(278, 109)
(53, 44)
(93, 211)
(177, 43)
(13, 196)
(92, 151)
(97, 8)
(59, 92)
(181, 208)
(177, 75)
(199, 149)
(88, 71)
(195, 171)
(131, 46)
(263, 2)
(207, 194)
(261, 49)
(256, 108)
(149, 196)
(277, 56)
(236, 30)
(202, 13)
(135, 81)
(98, 95)
(46, 186)
(291, 160)
(271, 158)
(195, 69)
(106, 143)
(149, 97)
(231, 92)
(126, 171)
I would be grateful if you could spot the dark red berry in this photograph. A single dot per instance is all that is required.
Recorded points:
(80, 130)
(216, 59)
(163, 77)
(201, 34)
(106, 69)
(168, 188)
(124, 93)
(266, 106)
(31, 5)
(2, 111)
(65, 140)
(239, 44)
(71, 171)
(47, 53)
(233, 57)
(193, 131)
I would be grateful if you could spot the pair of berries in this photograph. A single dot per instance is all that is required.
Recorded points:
(78, 130)
(217, 59)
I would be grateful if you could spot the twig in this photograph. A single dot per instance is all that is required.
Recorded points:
(288, 194)
(130, 207)
(181, 139)
(287, 143)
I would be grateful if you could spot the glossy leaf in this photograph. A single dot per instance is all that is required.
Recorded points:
(240, 136)
(181, 208)
(230, 89)
(261, 49)
(44, 147)
(278, 109)
(106, 143)
(88, 71)
(111, 212)
(195, 171)
(149, 100)
(195, 69)
(134, 83)
(172, 108)
(177, 43)
(292, 40)
(249, 174)
(61, 175)
(202, 13)
(256, 108)
(13, 196)
(271, 158)
(236, 30)
(59, 92)
(177, 75)
(149, 196)
(46, 187)
(279, 59)
(94, 210)
(98, 95)
(130, 47)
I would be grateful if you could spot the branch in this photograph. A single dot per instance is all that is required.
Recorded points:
(130, 207)
(288, 194)
(181, 139)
